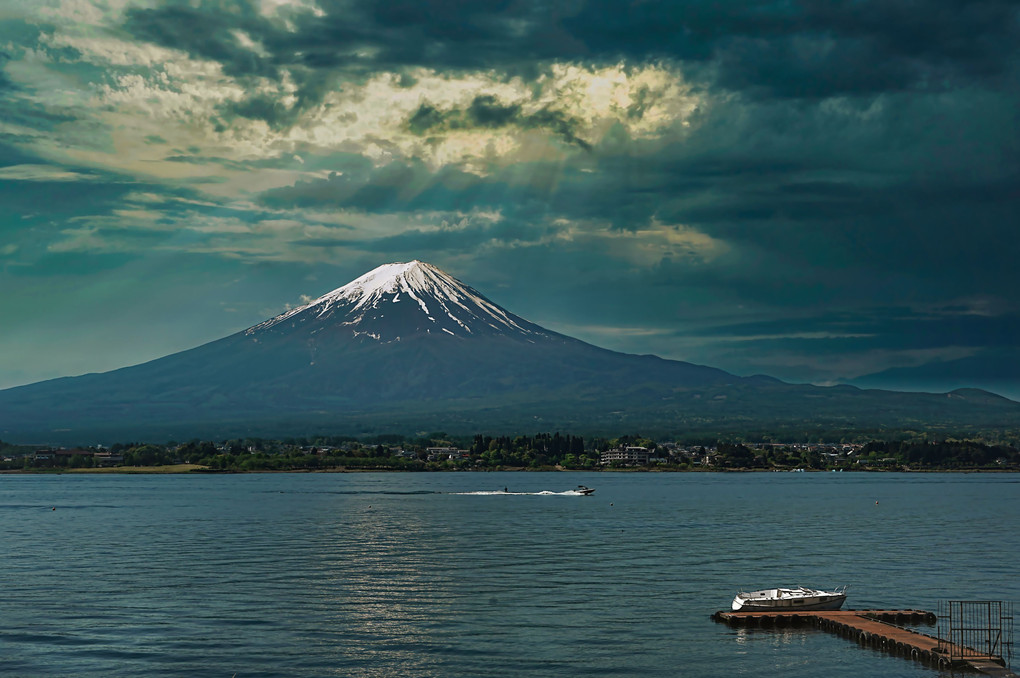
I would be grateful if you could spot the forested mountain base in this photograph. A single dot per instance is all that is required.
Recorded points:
(438, 451)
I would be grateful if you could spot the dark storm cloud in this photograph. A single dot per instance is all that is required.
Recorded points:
(805, 49)
(346, 41)
(487, 112)
(247, 45)
(811, 49)
(208, 30)
(969, 37)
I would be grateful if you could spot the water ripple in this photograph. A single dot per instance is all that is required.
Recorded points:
(439, 575)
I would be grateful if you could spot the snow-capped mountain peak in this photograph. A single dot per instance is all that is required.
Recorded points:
(413, 278)
(400, 299)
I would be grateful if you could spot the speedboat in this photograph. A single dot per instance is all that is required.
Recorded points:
(581, 489)
(788, 600)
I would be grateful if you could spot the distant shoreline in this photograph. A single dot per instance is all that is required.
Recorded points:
(195, 469)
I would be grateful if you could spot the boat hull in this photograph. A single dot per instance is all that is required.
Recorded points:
(788, 600)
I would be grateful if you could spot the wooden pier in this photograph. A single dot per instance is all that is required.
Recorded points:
(878, 629)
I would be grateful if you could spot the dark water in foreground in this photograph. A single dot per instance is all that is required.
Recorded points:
(398, 575)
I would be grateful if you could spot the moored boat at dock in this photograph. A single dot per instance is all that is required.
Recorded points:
(789, 599)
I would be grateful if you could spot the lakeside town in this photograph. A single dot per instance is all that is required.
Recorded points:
(540, 452)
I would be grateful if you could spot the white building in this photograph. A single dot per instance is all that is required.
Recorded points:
(632, 456)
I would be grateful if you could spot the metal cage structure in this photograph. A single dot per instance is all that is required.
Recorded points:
(975, 629)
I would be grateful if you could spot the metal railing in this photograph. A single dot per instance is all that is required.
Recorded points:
(969, 629)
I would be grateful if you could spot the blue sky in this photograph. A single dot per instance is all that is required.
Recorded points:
(818, 191)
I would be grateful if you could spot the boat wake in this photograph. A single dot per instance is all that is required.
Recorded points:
(354, 492)
(543, 493)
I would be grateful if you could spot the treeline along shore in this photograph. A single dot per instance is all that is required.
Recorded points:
(544, 451)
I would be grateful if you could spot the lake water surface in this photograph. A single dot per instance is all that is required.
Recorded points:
(417, 574)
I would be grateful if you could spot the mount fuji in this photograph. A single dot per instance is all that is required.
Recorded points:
(407, 347)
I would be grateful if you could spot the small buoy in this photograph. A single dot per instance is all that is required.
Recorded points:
(54, 508)
(876, 502)
(610, 503)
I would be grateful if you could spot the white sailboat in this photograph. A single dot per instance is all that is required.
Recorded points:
(789, 599)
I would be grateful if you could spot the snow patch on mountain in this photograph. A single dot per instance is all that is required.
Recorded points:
(433, 291)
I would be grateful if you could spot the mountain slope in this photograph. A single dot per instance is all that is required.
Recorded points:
(995, 370)
(406, 347)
